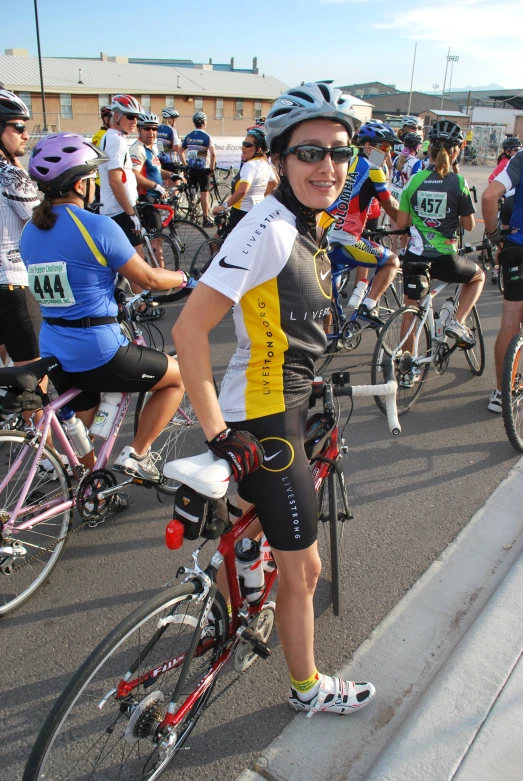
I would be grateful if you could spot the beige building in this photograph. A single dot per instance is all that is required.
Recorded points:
(76, 88)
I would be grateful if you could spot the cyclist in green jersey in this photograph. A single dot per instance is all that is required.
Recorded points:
(434, 204)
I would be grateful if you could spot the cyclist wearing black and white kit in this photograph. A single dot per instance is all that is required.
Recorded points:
(20, 317)
(275, 269)
(510, 260)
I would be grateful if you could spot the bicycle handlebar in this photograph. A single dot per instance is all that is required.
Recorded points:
(368, 234)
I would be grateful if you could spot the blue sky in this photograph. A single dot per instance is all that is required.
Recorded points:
(345, 40)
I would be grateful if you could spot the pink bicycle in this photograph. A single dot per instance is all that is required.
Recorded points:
(38, 491)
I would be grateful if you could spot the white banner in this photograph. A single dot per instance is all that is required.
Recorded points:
(228, 151)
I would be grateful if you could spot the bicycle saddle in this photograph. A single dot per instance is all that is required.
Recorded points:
(204, 473)
(26, 377)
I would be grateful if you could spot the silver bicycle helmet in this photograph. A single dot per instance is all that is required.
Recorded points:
(170, 113)
(314, 100)
(199, 119)
(148, 119)
(11, 106)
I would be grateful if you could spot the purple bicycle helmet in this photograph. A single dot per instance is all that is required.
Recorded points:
(60, 159)
(377, 134)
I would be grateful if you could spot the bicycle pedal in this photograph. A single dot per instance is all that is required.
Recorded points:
(260, 648)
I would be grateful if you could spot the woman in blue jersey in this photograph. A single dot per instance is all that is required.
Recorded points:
(275, 269)
(72, 258)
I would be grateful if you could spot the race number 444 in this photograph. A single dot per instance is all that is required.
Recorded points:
(49, 284)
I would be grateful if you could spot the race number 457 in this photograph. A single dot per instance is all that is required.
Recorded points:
(432, 204)
(49, 284)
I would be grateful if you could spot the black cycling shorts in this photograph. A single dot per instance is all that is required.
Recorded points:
(282, 489)
(200, 177)
(126, 224)
(150, 218)
(511, 262)
(20, 321)
(132, 369)
(446, 268)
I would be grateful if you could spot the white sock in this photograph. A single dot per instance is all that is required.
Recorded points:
(370, 303)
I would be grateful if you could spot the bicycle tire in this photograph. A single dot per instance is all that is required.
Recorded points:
(333, 331)
(389, 339)
(205, 254)
(485, 255)
(18, 586)
(188, 238)
(220, 191)
(176, 439)
(62, 748)
(476, 355)
(501, 283)
(512, 392)
(329, 509)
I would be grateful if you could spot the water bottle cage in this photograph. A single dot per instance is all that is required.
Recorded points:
(201, 516)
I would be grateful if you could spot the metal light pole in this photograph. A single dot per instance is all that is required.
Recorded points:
(412, 77)
(435, 88)
(40, 66)
(453, 58)
(445, 79)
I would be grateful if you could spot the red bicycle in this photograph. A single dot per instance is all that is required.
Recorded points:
(131, 706)
(180, 240)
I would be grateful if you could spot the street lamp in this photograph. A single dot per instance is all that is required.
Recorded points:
(453, 58)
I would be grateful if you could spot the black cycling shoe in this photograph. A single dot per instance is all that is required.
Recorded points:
(150, 313)
(370, 314)
(208, 223)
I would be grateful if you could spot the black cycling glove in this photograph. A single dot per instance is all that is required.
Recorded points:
(243, 451)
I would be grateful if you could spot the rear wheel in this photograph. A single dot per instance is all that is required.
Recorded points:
(476, 355)
(105, 723)
(205, 254)
(28, 556)
(512, 392)
(396, 340)
(161, 253)
(188, 238)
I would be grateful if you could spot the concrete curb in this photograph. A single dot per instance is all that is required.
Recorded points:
(407, 650)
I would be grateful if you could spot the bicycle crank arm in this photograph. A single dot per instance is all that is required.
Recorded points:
(258, 646)
(114, 490)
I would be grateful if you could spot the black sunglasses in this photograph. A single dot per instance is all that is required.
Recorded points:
(307, 153)
(130, 117)
(18, 126)
(248, 144)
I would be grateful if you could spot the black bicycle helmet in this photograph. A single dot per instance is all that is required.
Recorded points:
(446, 133)
(412, 140)
(511, 143)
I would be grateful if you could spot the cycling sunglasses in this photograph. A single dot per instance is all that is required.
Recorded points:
(130, 117)
(248, 144)
(18, 126)
(307, 153)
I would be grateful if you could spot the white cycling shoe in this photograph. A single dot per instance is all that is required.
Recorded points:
(334, 696)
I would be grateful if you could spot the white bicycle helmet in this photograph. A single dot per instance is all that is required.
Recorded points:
(410, 121)
(126, 104)
(12, 106)
(148, 119)
(170, 113)
(314, 100)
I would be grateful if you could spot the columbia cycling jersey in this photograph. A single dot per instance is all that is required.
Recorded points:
(364, 182)
(147, 160)
(435, 205)
(511, 177)
(280, 282)
(197, 145)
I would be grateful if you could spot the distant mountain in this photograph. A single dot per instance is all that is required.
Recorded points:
(485, 87)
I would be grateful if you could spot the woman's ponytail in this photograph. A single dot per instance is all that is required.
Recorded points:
(43, 216)
(443, 161)
(400, 162)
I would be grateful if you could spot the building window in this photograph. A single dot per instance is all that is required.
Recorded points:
(66, 106)
(257, 109)
(198, 104)
(169, 101)
(104, 100)
(239, 108)
(219, 108)
(26, 97)
(146, 103)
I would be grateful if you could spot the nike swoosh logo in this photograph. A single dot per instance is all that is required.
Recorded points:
(223, 264)
(323, 276)
(269, 458)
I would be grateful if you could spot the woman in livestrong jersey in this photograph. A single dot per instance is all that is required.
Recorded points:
(275, 269)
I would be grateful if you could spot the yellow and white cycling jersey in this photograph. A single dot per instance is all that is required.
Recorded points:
(258, 173)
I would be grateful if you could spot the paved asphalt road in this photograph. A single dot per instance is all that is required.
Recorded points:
(410, 495)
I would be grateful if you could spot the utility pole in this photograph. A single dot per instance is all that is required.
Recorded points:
(40, 66)
(445, 79)
(435, 88)
(412, 77)
(453, 58)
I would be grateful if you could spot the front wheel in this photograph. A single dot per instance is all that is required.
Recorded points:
(408, 342)
(105, 723)
(475, 355)
(512, 392)
(333, 510)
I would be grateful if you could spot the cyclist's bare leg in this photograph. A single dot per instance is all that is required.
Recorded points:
(470, 294)
(383, 278)
(204, 198)
(158, 251)
(254, 532)
(511, 321)
(362, 275)
(405, 325)
(160, 408)
(298, 573)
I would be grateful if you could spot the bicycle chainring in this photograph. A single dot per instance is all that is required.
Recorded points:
(262, 624)
(441, 358)
(351, 335)
(91, 508)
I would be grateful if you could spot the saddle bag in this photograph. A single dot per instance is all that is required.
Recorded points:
(417, 280)
(201, 516)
